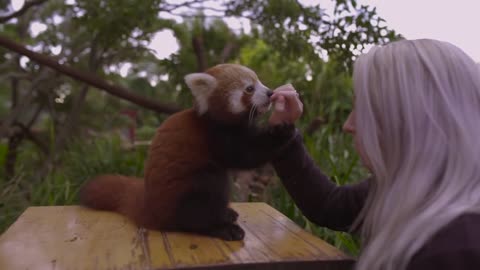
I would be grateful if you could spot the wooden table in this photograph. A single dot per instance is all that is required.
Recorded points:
(73, 237)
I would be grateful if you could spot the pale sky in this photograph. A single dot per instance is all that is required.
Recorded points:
(454, 21)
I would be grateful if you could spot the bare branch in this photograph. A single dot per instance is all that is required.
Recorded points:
(21, 11)
(14, 75)
(191, 15)
(172, 7)
(227, 51)
(32, 137)
(89, 78)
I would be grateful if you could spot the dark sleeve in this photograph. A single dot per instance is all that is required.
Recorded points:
(237, 149)
(453, 247)
(320, 200)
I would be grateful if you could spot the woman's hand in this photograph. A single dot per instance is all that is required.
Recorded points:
(287, 107)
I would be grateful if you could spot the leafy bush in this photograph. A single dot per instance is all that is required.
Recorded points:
(83, 160)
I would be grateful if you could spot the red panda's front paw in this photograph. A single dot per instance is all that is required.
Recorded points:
(230, 232)
(231, 215)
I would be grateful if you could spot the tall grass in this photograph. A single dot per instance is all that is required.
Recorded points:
(81, 161)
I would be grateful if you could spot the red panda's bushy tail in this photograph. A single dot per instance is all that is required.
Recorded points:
(116, 193)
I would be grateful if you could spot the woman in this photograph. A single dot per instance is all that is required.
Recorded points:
(416, 127)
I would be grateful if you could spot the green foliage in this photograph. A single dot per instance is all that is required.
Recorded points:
(215, 35)
(297, 30)
(145, 133)
(83, 160)
(126, 18)
(285, 24)
(364, 26)
(3, 154)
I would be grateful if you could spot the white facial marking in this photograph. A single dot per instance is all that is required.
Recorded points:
(260, 97)
(235, 99)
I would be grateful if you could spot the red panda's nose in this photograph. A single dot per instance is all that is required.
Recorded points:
(269, 93)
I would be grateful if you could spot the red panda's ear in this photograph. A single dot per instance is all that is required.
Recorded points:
(202, 86)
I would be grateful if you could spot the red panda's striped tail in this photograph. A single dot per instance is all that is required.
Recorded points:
(116, 193)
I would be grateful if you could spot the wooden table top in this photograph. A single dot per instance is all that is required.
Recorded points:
(74, 237)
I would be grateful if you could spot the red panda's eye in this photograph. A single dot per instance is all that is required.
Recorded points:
(250, 89)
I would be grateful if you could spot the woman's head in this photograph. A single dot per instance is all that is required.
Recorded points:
(413, 96)
(417, 126)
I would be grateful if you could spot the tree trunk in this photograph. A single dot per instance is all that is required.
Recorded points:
(12, 153)
(70, 123)
(199, 49)
(227, 52)
(14, 137)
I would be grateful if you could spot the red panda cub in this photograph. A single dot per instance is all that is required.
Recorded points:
(186, 186)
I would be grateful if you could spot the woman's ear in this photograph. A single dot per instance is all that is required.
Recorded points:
(201, 85)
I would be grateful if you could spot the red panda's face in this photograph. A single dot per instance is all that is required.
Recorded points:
(229, 91)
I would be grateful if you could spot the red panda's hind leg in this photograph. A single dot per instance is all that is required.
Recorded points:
(200, 214)
(204, 209)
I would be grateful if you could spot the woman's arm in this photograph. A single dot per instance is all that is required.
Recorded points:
(319, 199)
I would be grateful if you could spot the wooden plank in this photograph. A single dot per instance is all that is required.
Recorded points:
(154, 249)
(287, 245)
(73, 237)
(70, 237)
(251, 249)
(330, 251)
(189, 249)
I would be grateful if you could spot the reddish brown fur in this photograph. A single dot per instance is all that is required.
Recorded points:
(178, 151)
(174, 156)
(117, 193)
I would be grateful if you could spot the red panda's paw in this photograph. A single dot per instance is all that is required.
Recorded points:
(230, 232)
(231, 215)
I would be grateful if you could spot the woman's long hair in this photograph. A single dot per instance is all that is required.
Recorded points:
(418, 123)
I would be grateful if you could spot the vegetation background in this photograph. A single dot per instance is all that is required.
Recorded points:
(56, 132)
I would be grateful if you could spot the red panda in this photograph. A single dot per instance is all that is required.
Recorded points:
(186, 186)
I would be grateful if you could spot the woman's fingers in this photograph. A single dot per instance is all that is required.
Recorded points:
(287, 98)
(290, 95)
(277, 93)
(280, 104)
(287, 105)
(283, 89)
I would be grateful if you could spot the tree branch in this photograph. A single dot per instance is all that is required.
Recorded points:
(20, 12)
(199, 49)
(172, 7)
(89, 78)
(27, 133)
(227, 51)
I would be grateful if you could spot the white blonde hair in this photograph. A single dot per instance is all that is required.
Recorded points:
(417, 111)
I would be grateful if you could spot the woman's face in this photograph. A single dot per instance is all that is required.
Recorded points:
(350, 127)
